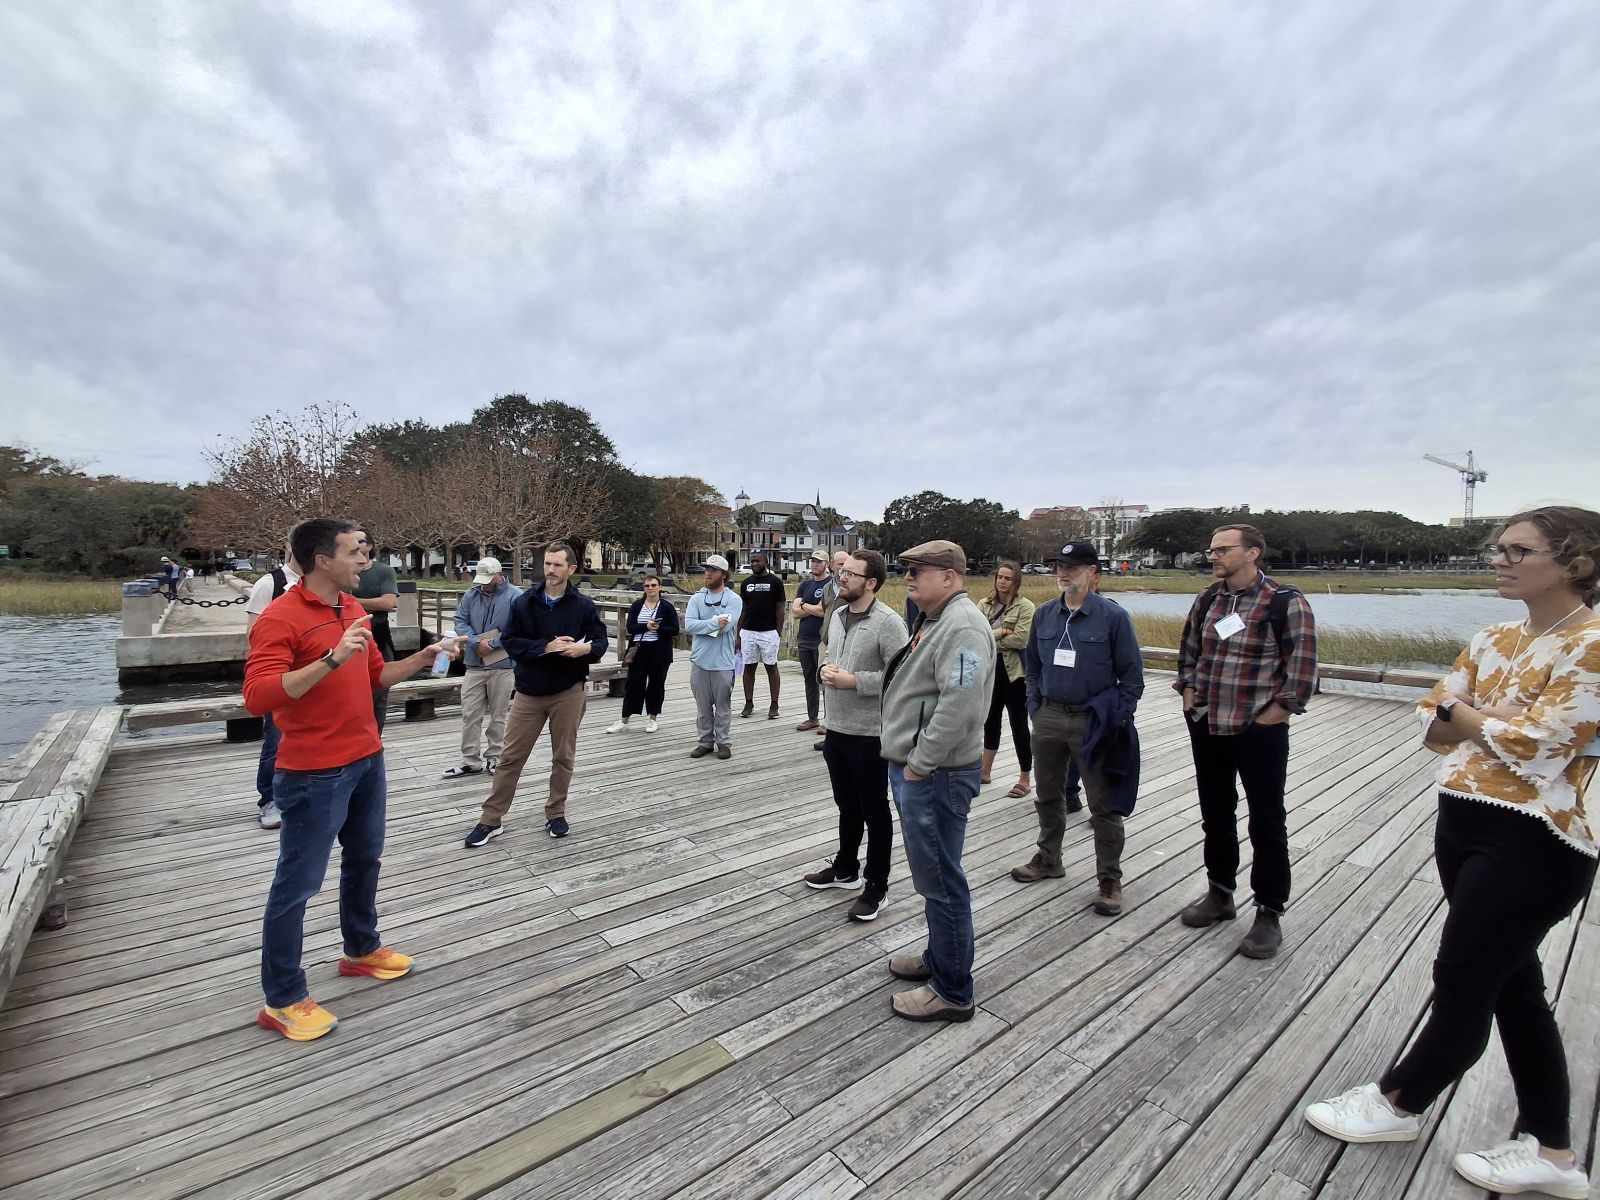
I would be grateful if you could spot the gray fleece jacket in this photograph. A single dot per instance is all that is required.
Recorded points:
(936, 691)
(864, 651)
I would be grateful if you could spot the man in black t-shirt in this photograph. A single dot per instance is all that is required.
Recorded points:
(809, 609)
(760, 630)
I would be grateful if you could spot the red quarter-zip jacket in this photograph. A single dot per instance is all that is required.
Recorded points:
(331, 725)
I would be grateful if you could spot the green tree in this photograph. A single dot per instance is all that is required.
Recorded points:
(829, 521)
(685, 509)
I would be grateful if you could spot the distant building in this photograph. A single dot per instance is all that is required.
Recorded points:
(1107, 524)
(789, 551)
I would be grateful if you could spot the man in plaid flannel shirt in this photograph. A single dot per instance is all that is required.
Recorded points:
(1246, 663)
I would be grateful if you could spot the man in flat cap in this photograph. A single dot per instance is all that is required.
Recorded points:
(936, 694)
(1084, 671)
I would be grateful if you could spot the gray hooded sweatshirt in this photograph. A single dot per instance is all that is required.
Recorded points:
(864, 650)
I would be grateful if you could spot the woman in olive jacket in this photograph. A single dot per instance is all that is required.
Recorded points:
(1010, 615)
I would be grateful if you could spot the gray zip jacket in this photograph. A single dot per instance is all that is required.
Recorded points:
(865, 652)
(936, 691)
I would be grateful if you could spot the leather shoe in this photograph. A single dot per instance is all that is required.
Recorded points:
(1109, 902)
(724, 751)
(1036, 868)
(700, 752)
(909, 966)
(1264, 937)
(925, 1004)
(1216, 905)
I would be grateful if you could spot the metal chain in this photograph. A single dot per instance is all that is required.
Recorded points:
(211, 603)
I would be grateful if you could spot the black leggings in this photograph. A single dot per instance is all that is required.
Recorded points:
(647, 679)
(1508, 880)
(1012, 698)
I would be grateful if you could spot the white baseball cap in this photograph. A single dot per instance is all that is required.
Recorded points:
(488, 568)
(716, 562)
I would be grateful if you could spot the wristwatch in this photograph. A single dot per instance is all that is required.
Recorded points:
(329, 661)
(1445, 710)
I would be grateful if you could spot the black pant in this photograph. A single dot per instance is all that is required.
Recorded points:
(384, 641)
(1010, 696)
(1508, 880)
(1259, 759)
(647, 679)
(810, 662)
(861, 790)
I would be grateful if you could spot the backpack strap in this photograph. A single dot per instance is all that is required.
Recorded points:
(280, 582)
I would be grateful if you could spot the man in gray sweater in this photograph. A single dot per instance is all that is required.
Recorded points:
(936, 693)
(864, 635)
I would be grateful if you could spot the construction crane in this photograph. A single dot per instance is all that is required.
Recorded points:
(1470, 474)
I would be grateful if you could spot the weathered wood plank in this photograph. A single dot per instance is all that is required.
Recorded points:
(511, 1157)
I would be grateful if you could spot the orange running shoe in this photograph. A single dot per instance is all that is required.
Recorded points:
(302, 1022)
(382, 963)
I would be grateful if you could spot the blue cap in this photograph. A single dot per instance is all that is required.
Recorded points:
(1080, 554)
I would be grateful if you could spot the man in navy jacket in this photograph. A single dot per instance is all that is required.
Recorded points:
(1080, 646)
(553, 635)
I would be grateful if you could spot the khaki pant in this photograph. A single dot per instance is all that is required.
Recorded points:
(1058, 739)
(564, 712)
(485, 692)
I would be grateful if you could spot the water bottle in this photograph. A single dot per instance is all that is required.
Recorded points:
(441, 664)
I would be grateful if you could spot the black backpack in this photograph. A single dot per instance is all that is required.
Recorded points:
(1277, 609)
(280, 582)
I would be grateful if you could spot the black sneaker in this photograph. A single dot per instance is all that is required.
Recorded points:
(558, 827)
(869, 903)
(829, 877)
(772, 713)
(724, 752)
(490, 764)
(748, 709)
(463, 769)
(482, 833)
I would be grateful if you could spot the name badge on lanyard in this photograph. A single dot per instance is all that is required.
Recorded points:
(1066, 658)
(1229, 625)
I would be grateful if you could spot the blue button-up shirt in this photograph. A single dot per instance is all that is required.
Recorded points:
(1107, 653)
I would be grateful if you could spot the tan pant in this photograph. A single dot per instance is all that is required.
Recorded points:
(485, 692)
(564, 712)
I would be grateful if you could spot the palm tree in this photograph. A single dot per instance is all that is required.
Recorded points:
(797, 527)
(747, 518)
(830, 520)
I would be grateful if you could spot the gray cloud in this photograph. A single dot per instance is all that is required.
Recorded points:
(1041, 253)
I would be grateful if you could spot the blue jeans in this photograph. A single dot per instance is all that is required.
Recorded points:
(346, 803)
(933, 824)
(267, 765)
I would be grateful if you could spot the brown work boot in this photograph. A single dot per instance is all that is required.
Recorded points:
(1264, 937)
(925, 1004)
(1036, 868)
(909, 966)
(1109, 902)
(1216, 905)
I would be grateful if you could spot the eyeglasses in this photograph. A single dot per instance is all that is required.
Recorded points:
(845, 573)
(1219, 551)
(1514, 554)
(913, 572)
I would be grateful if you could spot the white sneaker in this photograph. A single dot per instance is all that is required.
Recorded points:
(1514, 1167)
(616, 727)
(271, 815)
(1363, 1115)
(650, 725)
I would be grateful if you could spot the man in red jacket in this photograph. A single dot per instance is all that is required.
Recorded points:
(329, 783)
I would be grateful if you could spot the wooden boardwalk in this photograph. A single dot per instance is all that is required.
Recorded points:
(657, 1007)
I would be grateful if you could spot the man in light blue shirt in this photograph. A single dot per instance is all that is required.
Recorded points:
(487, 687)
(711, 618)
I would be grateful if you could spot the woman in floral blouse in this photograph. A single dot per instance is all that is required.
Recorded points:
(1516, 721)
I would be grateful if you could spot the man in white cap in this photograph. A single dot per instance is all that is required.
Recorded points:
(710, 620)
(487, 687)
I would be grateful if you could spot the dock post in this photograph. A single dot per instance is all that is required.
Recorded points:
(137, 618)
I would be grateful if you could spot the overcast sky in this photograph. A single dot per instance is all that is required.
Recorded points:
(1164, 253)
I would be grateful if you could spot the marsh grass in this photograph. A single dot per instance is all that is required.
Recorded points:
(44, 596)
